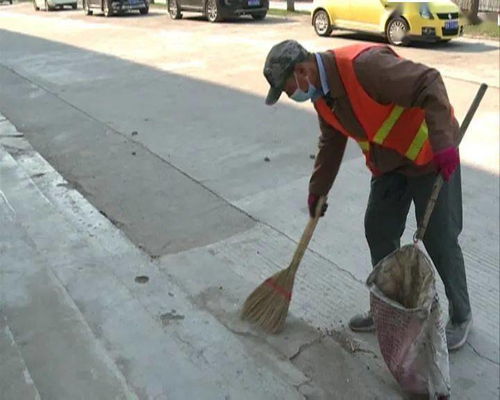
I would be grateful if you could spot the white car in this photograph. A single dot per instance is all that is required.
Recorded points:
(51, 5)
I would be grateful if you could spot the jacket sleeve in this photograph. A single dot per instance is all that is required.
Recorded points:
(388, 78)
(332, 145)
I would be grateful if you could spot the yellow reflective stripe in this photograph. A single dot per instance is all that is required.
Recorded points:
(388, 124)
(364, 144)
(418, 142)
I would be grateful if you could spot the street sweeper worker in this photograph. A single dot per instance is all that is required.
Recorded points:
(399, 114)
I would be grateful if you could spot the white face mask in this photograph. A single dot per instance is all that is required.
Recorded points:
(299, 95)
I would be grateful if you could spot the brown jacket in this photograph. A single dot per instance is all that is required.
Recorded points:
(387, 79)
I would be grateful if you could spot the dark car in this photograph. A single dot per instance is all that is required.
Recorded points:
(218, 10)
(111, 7)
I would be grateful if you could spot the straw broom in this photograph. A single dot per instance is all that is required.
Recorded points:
(267, 306)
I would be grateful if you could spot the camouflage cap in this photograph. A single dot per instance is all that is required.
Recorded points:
(280, 63)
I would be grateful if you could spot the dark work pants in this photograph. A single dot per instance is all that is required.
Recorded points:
(388, 205)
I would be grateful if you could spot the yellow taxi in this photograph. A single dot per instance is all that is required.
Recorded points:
(400, 22)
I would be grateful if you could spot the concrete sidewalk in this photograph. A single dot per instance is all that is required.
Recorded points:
(86, 315)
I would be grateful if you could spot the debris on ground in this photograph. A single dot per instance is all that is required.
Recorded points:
(142, 279)
(345, 340)
(166, 318)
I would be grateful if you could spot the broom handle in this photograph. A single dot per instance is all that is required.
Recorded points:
(306, 236)
(419, 234)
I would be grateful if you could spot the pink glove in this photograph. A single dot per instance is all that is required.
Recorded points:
(312, 202)
(447, 161)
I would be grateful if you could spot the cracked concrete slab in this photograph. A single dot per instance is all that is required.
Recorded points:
(331, 367)
(221, 289)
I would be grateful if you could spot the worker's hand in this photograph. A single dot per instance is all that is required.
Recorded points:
(312, 202)
(447, 161)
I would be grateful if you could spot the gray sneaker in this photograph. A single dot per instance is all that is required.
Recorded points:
(362, 323)
(456, 334)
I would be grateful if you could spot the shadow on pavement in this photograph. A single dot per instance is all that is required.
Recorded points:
(245, 19)
(219, 137)
(458, 45)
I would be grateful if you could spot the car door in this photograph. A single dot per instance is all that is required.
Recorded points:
(339, 10)
(367, 14)
(191, 4)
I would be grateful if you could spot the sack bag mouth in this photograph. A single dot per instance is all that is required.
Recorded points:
(405, 279)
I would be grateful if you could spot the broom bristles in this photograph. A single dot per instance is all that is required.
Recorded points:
(267, 306)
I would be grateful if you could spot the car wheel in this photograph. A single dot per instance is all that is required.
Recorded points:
(174, 10)
(35, 6)
(212, 11)
(144, 11)
(108, 12)
(86, 8)
(321, 22)
(259, 16)
(74, 6)
(396, 31)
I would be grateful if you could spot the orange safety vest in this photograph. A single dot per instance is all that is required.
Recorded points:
(401, 129)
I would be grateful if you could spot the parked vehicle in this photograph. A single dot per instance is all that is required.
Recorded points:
(114, 7)
(400, 22)
(8, 1)
(51, 5)
(218, 10)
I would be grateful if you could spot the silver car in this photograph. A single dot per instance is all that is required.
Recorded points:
(51, 5)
